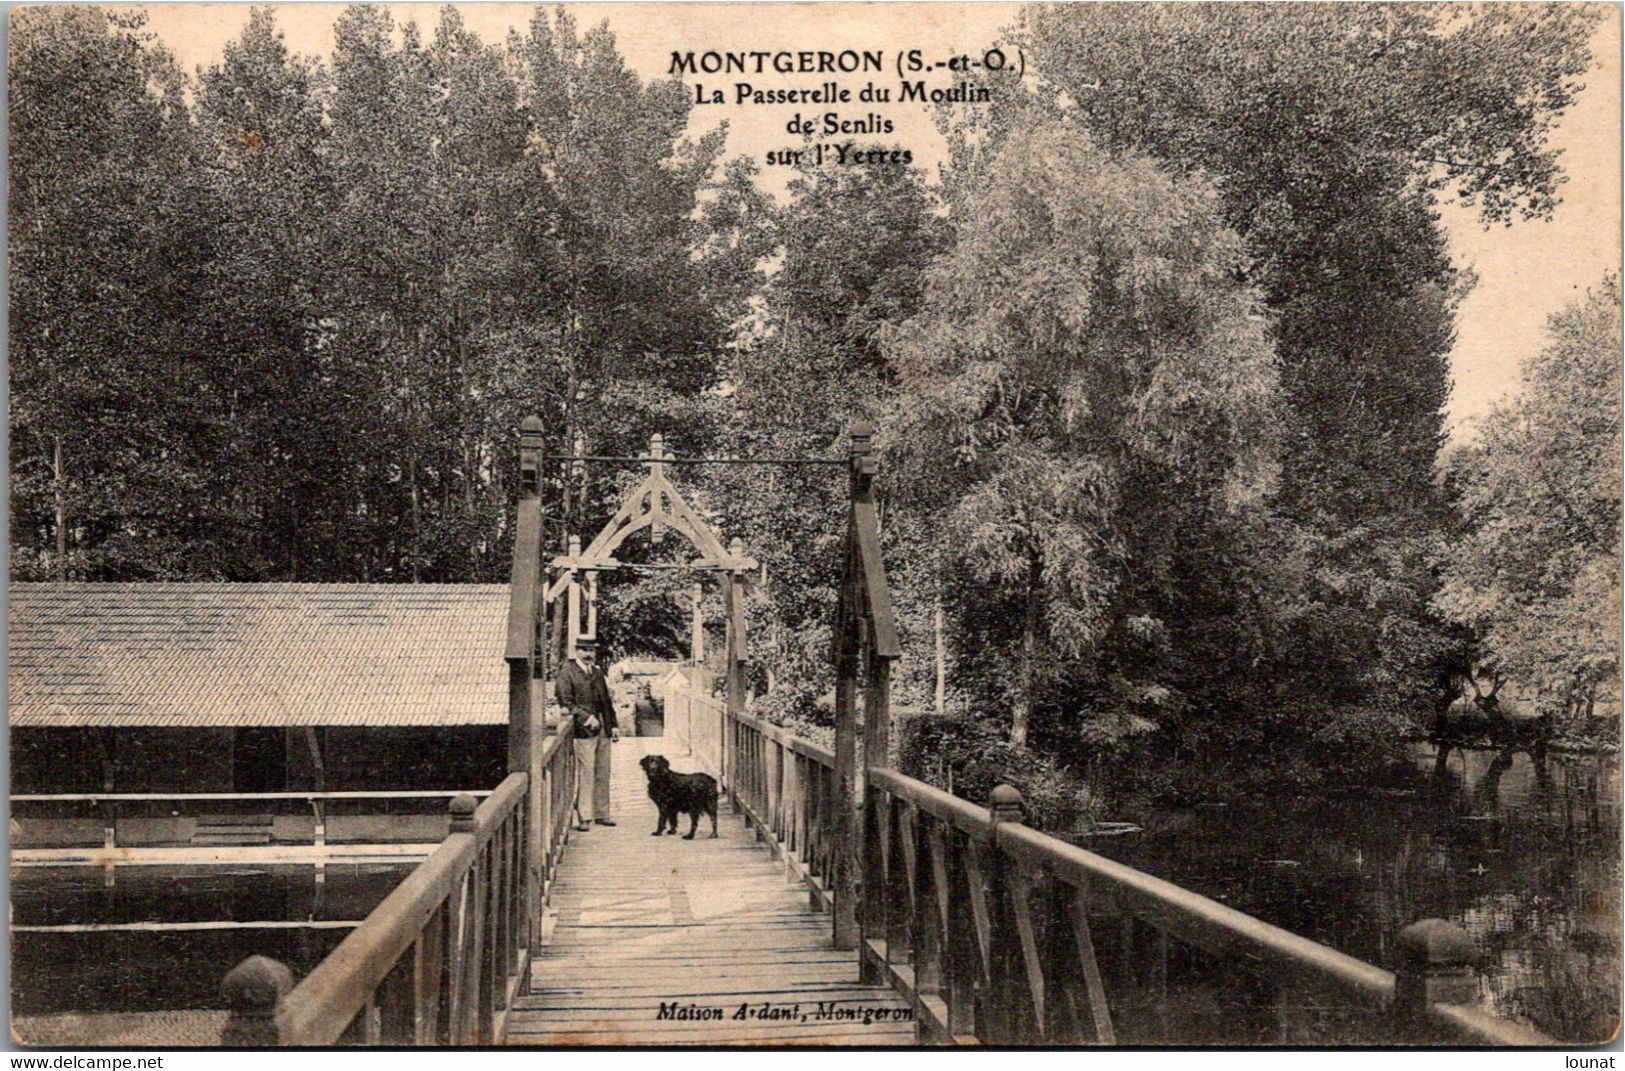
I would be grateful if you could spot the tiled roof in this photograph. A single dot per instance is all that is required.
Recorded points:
(215, 655)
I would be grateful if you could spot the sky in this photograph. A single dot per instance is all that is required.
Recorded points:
(1525, 272)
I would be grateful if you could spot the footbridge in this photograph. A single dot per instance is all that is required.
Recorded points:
(845, 903)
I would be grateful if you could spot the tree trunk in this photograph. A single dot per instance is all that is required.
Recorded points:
(942, 660)
(416, 554)
(59, 493)
(570, 438)
(1029, 648)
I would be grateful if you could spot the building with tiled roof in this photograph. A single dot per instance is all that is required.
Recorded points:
(213, 655)
(255, 687)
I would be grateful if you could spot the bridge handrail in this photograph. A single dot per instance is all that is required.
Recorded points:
(321, 1008)
(785, 738)
(932, 859)
(1198, 920)
(1474, 1026)
(793, 808)
(440, 959)
(1036, 891)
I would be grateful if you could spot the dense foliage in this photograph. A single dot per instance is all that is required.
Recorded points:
(1157, 361)
(1329, 131)
(1536, 572)
(285, 329)
(1084, 415)
(810, 362)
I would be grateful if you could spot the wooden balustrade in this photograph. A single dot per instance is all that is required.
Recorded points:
(784, 786)
(440, 960)
(991, 927)
(706, 716)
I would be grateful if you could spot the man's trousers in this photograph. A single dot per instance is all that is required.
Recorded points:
(592, 769)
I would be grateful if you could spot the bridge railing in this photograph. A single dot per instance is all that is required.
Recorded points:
(439, 961)
(1021, 964)
(783, 784)
(990, 926)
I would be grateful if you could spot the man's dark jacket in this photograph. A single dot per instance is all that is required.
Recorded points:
(582, 693)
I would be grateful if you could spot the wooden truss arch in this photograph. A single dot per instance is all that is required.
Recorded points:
(653, 504)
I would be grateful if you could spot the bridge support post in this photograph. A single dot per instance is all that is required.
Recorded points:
(733, 682)
(1435, 967)
(866, 642)
(525, 708)
(1008, 1010)
(848, 816)
(696, 628)
(877, 908)
(254, 990)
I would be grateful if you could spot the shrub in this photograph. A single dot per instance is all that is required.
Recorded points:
(799, 710)
(969, 756)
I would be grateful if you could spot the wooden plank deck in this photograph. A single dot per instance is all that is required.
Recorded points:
(712, 927)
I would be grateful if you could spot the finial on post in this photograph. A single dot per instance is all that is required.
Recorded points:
(862, 433)
(861, 450)
(254, 990)
(530, 456)
(1005, 804)
(462, 814)
(1435, 966)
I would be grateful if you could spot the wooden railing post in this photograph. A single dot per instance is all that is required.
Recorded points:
(1435, 967)
(1013, 945)
(873, 904)
(254, 990)
(734, 678)
(525, 710)
(848, 817)
(462, 813)
(865, 642)
(878, 898)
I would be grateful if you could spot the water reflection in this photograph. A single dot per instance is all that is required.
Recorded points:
(1525, 855)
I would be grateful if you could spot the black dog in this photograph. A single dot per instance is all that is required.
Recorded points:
(680, 793)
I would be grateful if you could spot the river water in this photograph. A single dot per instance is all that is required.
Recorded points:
(1526, 858)
(144, 966)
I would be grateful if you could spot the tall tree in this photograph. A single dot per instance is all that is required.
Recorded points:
(113, 412)
(636, 259)
(1085, 399)
(1330, 130)
(810, 363)
(259, 116)
(628, 308)
(1536, 573)
(285, 330)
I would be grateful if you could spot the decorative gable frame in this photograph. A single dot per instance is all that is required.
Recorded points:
(656, 505)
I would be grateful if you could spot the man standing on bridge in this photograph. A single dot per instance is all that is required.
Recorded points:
(583, 692)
